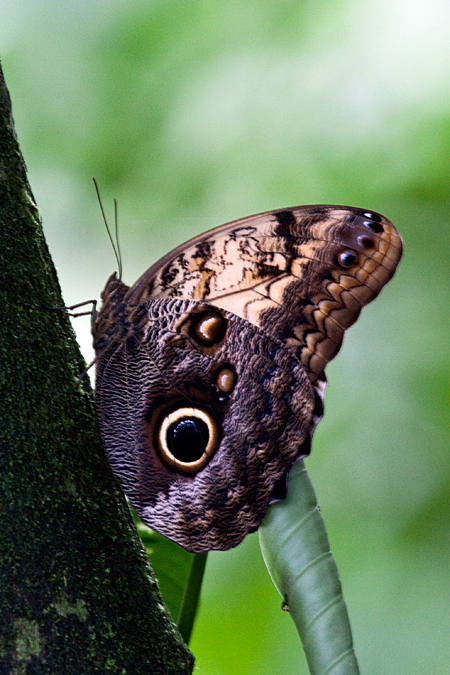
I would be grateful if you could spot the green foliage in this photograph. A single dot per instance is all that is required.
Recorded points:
(192, 114)
(179, 574)
(297, 554)
(171, 565)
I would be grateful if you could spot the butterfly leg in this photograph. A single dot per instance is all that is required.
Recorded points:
(69, 310)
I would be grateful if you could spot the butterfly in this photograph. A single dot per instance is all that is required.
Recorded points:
(210, 368)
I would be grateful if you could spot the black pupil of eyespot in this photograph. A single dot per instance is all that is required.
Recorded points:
(347, 258)
(187, 439)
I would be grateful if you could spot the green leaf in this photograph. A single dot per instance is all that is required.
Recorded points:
(171, 564)
(179, 574)
(297, 553)
(191, 598)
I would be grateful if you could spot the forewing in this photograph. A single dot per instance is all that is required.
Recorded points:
(301, 274)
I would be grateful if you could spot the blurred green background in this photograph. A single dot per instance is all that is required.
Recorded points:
(195, 113)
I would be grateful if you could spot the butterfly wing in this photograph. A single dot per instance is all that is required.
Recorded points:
(210, 367)
(200, 434)
(301, 274)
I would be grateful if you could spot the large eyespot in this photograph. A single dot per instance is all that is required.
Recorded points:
(187, 439)
(346, 258)
(208, 328)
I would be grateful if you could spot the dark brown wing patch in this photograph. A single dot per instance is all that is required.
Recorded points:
(213, 501)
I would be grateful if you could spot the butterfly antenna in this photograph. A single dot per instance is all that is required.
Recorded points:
(115, 248)
(116, 232)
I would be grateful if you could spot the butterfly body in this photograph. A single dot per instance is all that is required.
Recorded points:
(210, 367)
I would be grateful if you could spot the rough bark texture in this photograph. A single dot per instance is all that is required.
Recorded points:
(76, 592)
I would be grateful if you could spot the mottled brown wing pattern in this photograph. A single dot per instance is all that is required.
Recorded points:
(261, 424)
(210, 367)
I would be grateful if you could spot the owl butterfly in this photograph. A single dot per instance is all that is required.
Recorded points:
(210, 368)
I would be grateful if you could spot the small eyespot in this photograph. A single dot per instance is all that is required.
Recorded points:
(346, 258)
(374, 222)
(208, 328)
(373, 216)
(226, 380)
(187, 438)
(366, 242)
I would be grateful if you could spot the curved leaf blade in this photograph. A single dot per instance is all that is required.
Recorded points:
(297, 554)
(171, 564)
(191, 598)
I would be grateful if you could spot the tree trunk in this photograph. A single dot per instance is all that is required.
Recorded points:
(76, 591)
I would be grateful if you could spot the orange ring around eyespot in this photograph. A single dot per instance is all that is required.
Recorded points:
(341, 258)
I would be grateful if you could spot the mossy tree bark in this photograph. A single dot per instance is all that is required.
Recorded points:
(76, 592)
